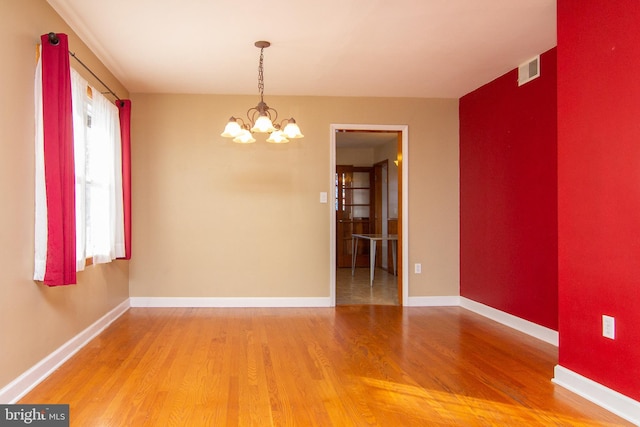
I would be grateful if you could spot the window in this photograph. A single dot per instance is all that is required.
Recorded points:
(81, 205)
(99, 210)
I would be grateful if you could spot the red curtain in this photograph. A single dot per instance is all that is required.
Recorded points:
(59, 163)
(124, 107)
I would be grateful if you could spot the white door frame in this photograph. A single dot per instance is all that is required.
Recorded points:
(404, 129)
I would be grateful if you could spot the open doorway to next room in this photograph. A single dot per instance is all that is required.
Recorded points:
(367, 217)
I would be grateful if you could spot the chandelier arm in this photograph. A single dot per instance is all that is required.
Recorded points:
(254, 112)
(285, 122)
(273, 118)
(240, 121)
(251, 115)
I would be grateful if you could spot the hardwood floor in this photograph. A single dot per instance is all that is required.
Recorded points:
(356, 289)
(348, 366)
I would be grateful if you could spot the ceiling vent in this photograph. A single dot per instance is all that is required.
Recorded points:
(529, 70)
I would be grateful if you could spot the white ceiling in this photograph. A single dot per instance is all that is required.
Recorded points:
(399, 48)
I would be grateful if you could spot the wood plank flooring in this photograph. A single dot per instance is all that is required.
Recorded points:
(344, 366)
(356, 289)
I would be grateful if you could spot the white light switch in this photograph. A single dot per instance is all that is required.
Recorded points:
(323, 197)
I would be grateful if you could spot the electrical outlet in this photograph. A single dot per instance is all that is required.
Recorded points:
(608, 327)
(418, 268)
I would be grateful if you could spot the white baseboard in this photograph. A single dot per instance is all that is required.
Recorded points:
(433, 301)
(517, 323)
(16, 389)
(229, 302)
(610, 400)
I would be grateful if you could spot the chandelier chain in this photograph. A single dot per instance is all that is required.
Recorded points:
(261, 76)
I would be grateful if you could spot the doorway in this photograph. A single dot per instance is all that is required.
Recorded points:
(367, 176)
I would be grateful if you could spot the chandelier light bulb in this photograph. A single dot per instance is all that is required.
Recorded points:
(292, 131)
(263, 125)
(244, 137)
(232, 129)
(277, 137)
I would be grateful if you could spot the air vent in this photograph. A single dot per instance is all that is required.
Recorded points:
(529, 70)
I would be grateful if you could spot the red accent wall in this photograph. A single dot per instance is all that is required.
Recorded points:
(599, 189)
(508, 198)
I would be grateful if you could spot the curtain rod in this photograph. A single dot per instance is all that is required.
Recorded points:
(53, 39)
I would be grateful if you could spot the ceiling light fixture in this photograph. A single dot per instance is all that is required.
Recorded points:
(261, 118)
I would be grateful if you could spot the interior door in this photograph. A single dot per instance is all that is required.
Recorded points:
(355, 209)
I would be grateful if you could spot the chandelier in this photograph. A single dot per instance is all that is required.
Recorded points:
(261, 118)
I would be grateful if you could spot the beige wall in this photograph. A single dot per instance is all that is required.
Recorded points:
(217, 219)
(35, 319)
(211, 218)
(355, 156)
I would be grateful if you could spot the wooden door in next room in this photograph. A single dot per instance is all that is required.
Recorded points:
(355, 206)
